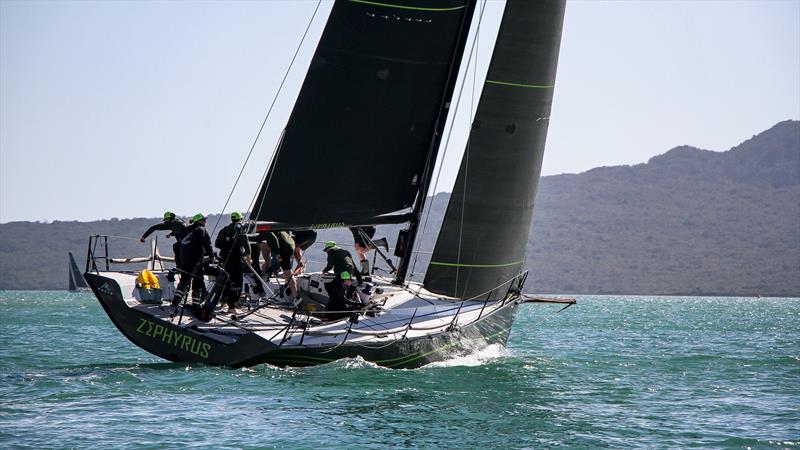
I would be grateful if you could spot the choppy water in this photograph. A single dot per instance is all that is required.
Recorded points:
(618, 372)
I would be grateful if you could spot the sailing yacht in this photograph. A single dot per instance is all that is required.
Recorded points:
(76, 283)
(375, 99)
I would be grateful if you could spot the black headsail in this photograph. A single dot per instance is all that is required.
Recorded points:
(368, 115)
(485, 231)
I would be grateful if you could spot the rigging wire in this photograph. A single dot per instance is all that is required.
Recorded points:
(450, 130)
(264, 122)
(466, 170)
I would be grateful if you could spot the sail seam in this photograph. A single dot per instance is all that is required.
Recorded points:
(414, 8)
(478, 266)
(530, 86)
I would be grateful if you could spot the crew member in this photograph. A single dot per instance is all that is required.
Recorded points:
(342, 297)
(263, 244)
(362, 245)
(176, 228)
(280, 243)
(234, 250)
(340, 260)
(195, 246)
(303, 239)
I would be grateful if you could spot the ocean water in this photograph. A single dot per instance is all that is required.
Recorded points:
(610, 372)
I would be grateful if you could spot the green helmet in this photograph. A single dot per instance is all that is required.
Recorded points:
(236, 216)
(169, 215)
(198, 217)
(329, 245)
(345, 275)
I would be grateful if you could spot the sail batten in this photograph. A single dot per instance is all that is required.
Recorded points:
(483, 238)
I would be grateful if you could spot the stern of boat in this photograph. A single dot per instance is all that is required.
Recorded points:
(144, 325)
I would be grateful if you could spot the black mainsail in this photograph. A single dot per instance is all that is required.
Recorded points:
(369, 115)
(483, 238)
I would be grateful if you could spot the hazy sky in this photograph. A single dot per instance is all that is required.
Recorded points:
(125, 109)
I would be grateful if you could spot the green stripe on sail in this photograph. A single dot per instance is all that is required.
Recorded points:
(478, 266)
(415, 8)
(529, 86)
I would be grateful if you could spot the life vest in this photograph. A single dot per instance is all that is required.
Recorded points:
(147, 280)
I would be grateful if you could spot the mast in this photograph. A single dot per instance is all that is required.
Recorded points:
(436, 138)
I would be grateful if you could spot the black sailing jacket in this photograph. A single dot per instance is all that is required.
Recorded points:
(175, 226)
(195, 244)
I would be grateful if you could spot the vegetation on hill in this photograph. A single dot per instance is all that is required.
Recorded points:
(689, 221)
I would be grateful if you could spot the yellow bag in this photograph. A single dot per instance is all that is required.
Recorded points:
(147, 280)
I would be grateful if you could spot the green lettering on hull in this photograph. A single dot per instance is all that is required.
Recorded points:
(174, 338)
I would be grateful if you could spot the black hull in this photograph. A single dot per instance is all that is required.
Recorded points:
(407, 353)
(192, 345)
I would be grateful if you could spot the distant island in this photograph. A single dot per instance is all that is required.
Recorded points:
(687, 222)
